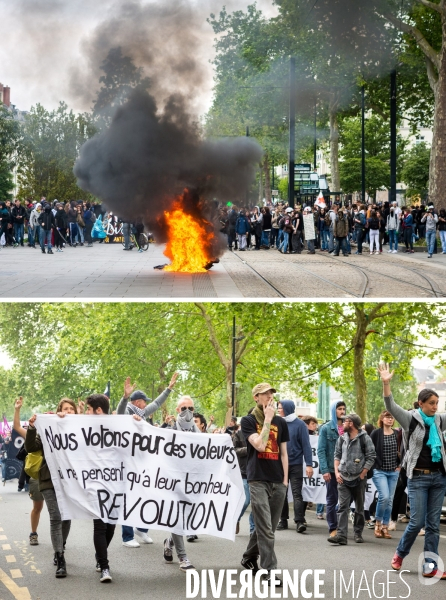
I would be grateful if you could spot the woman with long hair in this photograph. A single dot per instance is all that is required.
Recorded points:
(425, 464)
(59, 529)
(386, 471)
(373, 225)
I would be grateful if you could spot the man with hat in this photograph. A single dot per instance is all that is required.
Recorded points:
(267, 474)
(354, 457)
(135, 402)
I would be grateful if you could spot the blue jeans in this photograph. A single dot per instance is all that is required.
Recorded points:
(279, 238)
(325, 235)
(245, 506)
(19, 230)
(265, 238)
(431, 241)
(426, 495)
(32, 234)
(393, 239)
(385, 482)
(284, 244)
(80, 234)
(320, 509)
(341, 243)
(127, 533)
(331, 241)
(45, 236)
(443, 240)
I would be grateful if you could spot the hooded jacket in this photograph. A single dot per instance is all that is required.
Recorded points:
(328, 436)
(46, 218)
(341, 225)
(352, 460)
(299, 445)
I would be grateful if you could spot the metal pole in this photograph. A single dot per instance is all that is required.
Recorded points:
(315, 133)
(363, 144)
(292, 131)
(233, 365)
(272, 178)
(393, 93)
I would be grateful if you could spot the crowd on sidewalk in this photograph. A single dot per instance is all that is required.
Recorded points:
(336, 228)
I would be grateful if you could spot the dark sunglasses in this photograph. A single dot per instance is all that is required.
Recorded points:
(191, 408)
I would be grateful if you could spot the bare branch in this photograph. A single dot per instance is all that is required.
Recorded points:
(213, 336)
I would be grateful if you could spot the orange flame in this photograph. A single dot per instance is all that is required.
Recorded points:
(189, 242)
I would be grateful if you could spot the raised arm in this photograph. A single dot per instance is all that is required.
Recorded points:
(17, 406)
(402, 415)
(260, 440)
(155, 405)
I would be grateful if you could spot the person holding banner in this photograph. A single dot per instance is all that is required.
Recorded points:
(267, 473)
(59, 529)
(184, 422)
(425, 465)
(135, 402)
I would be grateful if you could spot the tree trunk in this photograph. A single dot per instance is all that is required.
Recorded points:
(437, 171)
(358, 365)
(261, 186)
(334, 148)
(266, 170)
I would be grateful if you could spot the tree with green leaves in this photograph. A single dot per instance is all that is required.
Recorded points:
(415, 172)
(10, 149)
(52, 140)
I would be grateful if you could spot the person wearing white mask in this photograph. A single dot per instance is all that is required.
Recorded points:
(184, 422)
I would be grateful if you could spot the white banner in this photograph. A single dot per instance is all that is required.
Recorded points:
(314, 487)
(309, 227)
(127, 472)
(314, 490)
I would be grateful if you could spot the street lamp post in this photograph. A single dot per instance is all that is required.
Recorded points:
(363, 144)
(235, 339)
(292, 148)
(393, 93)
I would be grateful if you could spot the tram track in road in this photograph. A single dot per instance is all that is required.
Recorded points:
(306, 270)
(433, 288)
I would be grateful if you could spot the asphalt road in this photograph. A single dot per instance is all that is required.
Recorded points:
(27, 572)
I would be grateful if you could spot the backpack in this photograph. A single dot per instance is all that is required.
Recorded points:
(327, 219)
(362, 442)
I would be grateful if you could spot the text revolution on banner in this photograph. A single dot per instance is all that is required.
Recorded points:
(127, 472)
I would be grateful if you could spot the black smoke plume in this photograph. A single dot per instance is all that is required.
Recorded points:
(147, 158)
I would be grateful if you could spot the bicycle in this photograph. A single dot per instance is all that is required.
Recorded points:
(143, 239)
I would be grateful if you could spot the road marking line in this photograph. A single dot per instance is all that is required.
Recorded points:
(3, 537)
(10, 558)
(6, 546)
(19, 593)
(16, 573)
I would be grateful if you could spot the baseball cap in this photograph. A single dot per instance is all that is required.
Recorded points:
(139, 395)
(261, 388)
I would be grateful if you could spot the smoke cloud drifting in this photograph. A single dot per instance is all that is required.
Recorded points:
(145, 159)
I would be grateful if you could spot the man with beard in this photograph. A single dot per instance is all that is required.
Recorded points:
(354, 456)
(267, 473)
(184, 422)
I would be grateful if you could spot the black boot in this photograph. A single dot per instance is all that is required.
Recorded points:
(43, 250)
(61, 565)
(50, 251)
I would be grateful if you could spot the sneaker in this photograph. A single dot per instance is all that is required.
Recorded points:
(370, 525)
(320, 516)
(167, 550)
(191, 538)
(186, 565)
(282, 525)
(143, 537)
(333, 533)
(105, 576)
(404, 519)
(301, 527)
(33, 539)
(397, 562)
(359, 539)
(250, 564)
(435, 573)
(377, 252)
(394, 251)
(98, 568)
(131, 544)
(422, 532)
(389, 251)
(337, 539)
(278, 583)
(392, 526)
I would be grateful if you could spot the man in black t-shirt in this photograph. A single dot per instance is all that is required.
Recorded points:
(267, 473)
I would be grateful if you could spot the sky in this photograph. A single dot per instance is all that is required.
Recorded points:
(50, 49)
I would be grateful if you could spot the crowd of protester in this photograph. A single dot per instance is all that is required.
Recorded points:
(337, 228)
(272, 445)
